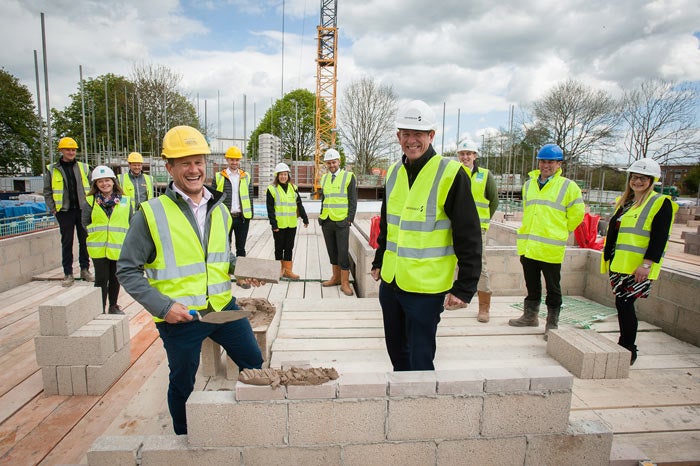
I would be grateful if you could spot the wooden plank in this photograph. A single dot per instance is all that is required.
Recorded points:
(20, 395)
(18, 333)
(364, 304)
(678, 448)
(638, 420)
(16, 366)
(295, 290)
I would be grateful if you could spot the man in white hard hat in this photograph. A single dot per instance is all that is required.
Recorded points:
(136, 185)
(485, 194)
(429, 224)
(338, 207)
(181, 241)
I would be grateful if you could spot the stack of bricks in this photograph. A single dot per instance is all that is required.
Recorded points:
(485, 416)
(81, 351)
(588, 355)
(692, 242)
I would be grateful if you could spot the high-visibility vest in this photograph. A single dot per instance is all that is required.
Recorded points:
(243, 190)
(478, 180)
(58, 183)
(285, 205)
(106, 234)
(183, 270)
(130, 190)
(633, 236)
(549, 215)
(419, 253)
(335, 195)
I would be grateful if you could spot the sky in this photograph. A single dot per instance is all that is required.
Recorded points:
(474, 58)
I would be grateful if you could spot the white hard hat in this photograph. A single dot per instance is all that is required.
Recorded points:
(331, 154)
(647, 167)
(281, 167)
(468, 145)
(416, 115)
(102, 171)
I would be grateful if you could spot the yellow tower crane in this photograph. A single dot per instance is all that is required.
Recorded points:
(326, 80)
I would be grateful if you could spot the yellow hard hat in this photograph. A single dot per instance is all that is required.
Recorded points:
(134, 157)
(67, 143)
(183, 141)
(233, 153)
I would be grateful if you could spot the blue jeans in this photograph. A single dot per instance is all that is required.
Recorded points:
(183, 345)
(410, 326)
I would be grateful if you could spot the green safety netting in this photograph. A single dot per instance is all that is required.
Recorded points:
(577, 312)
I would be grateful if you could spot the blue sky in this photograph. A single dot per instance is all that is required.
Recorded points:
(480, 56)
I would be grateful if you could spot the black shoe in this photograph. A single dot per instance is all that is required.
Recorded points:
(115, 309)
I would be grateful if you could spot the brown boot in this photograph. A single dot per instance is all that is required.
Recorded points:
(335, 279)
(484, 306)
(288, 270)
(345, 283)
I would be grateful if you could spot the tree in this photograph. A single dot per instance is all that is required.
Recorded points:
(691, 182)
(19, 128)
(367, 118)
(577, 118)
(661, 121)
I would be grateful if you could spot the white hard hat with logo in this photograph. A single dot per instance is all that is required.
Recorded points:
(281, 167)
(468, 146)
(331, 154)
(416, 115)
(102, 171)
(646, 166)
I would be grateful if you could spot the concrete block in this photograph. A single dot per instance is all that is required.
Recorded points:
(549, 378)
(115, 450)
(524, 413)
(210, 364)
(174, 450)
(50, 379)
(211, 422)
(121, 327)
(69, 310)
(266, 270)
(106, 324)
(337, 421)
(78, 376)
(578, 360)
(483, 451)
(326, 390)
(412, 383)
(65, 380)
(504, 379)
(246, 392)
(440, 417)
(583, 443)
(362, 385)
(618, 358)
(623, 454)
(85, 346)
(391, 454)
(101, 377)
(459, 382)
(308, 456)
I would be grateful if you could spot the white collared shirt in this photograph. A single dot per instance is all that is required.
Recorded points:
(235, 179)
(199, 210)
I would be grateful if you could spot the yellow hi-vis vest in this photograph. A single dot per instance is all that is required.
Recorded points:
(130, 190)
(106, 234)
(633, 237)
(335, 195)
(479, 193)
(183, 269)
(243, 190)
(57, 182)
(285, 205)
(549, 215)
(419, 253)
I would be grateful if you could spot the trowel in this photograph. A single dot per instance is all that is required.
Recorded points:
(220, 317)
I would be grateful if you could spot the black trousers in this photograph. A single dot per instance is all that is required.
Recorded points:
(336, 236)
(284, 243)
(532, 272)
(627, 318)
(69, 222)
(240, 233)
(106, 278)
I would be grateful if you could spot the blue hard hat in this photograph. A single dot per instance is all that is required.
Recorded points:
(550, 152)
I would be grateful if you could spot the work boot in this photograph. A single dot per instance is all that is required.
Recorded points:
(335, 279)
(552, 320)
(484, 306)
(115, 309)
(345, 283)
(529, 317)
(86, 275)
(631, 348)
(287, 265)
(67, 281)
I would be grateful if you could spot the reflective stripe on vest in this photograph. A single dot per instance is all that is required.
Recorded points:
(57, 182)
(130, 190)
(479, 193)
(182, 269)
(335, 195)
(419, 253)
(243, 190)
(285, 205)
(106, 234)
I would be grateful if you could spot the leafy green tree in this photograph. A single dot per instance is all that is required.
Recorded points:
(19, 127)
(691, 182)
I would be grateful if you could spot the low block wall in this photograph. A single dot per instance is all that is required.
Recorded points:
(361, 257)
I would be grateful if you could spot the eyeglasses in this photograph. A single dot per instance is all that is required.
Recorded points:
(638, 178)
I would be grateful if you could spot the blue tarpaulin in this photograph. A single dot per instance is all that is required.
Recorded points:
(9, 209)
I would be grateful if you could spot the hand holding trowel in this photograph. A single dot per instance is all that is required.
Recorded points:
(211, 316)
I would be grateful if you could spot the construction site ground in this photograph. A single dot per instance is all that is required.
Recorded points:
(656, 409)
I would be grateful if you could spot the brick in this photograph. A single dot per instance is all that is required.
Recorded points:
(391, 454)
(69, 310)
(362, 385)
(82, 347)
(337, 421)
(583, 443)
(266, 270)
(78, 375)
(441, 417)
(211, 415)
(504, 379)
(114, 450)
(174, 449)
(50, 379)
(101, 377)
(524, 413)
(549, 378)
(247, 392)
(308, 456)
(412, 383)
(308, 392)
(483, 451)
(459, 382)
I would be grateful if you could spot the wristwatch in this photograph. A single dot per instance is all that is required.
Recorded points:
(646, 266)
